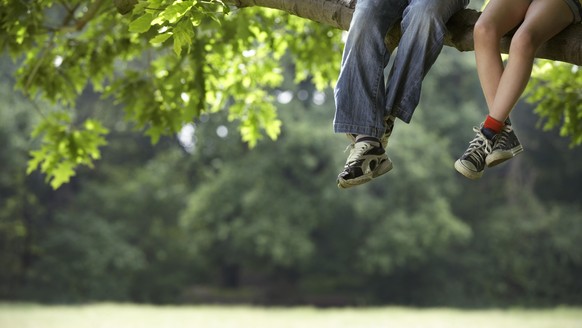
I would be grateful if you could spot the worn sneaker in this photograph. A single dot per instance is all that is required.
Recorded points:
(505, 146)
(472, 163)
(364, 163)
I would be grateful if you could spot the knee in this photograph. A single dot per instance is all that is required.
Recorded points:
(524, 42)
(364, 21)
(486, 32)
(422, 18)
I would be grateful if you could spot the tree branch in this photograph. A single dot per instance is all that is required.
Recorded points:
(92, 10)
(565, 47)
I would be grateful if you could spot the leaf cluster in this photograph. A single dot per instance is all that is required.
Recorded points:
(164, 63)
(555, 88)
(64, 147)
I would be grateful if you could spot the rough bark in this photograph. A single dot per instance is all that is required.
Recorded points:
(565, 47)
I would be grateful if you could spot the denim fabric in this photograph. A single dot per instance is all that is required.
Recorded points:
(363, 98)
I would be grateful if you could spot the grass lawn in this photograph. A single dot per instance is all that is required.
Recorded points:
(143, 316)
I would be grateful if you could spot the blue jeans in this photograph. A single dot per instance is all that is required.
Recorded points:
(363, 99)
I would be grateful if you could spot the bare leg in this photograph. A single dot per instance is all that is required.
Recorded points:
(543, 20)
(498, 18)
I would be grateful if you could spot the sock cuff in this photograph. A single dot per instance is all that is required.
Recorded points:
(493, 124)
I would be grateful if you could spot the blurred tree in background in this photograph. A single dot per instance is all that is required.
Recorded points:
(198, 217)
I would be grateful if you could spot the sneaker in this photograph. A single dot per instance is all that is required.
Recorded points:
(505, 146)
(384, 140)
(364, 163)
(472, 163)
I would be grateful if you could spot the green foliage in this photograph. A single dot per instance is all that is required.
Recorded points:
(19, 199)
(534, 242)
(165, 62)
(421, 223)
(258, 226)
(175, 19)
(154, 223)
(64, 147)
(99, 266)
(555, 89)
(125, 6)
(160, 223)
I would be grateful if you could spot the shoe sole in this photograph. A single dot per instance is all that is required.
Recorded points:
(499, 157)
(466, 172)
(382, 169)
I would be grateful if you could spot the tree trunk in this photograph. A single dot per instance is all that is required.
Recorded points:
(566, 46)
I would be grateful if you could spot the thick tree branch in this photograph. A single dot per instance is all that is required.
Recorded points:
(566, 46)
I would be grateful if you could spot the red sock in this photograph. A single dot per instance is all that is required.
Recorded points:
(493, 124)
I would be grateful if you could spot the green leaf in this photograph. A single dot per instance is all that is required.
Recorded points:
(160, 38)
(37, 157)
(183, 35)
(196, 18)
(173, 12)
(62, 174)
(124, 6)
(141, 24)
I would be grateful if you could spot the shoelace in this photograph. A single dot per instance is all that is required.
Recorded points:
(501, 140)
(502, 137)
(480, 142)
